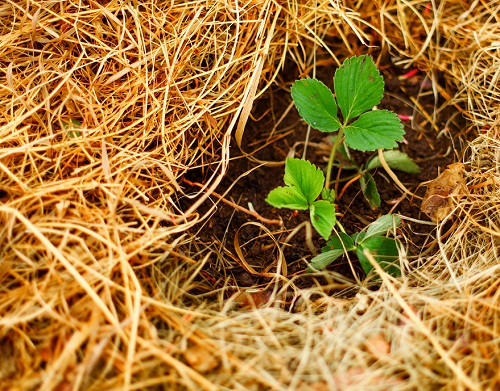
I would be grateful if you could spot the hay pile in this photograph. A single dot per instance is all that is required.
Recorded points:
(107, 105)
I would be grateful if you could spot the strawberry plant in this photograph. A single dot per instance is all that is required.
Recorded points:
(358, 87)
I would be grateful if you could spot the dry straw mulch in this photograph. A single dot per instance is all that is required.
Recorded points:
(105, 105)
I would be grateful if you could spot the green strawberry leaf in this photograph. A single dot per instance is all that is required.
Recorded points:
(287, 197)
(323, 217)
(316, 104)
(320, 261)
(358, 237)
(306, 177)
(369, 189)
(396, 160)
(358, 86)
(385, 252)
(379, 129)
(334, 248)
(340, 241)
(382, 225)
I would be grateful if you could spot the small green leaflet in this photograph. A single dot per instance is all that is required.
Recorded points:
(304, 183)
(328, 195)
(369, 189)
(316, 104)
(320, 261)
(305, 176)
(396, 160)
(379, 129)
(384, 250)
(342, 240)
(287, 197)
(358, 86)
(335, 247)
(382, 225)
(323, 217)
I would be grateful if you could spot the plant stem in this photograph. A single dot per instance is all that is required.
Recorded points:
(338, 141)
(236, 206)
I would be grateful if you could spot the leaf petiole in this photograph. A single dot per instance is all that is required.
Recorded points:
(339, 139)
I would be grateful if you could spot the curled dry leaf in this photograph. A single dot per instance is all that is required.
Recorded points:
(200, 359)
(378, 346)
(253, 298)
(437, 199)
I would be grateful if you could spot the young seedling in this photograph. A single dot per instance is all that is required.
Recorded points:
(374, 239)
(359, 87)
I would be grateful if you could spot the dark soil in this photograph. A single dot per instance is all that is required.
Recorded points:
(432, 145)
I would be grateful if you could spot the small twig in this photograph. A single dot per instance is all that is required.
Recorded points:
(404, 117)
(236, 206)
(408, 75)
(347, 185)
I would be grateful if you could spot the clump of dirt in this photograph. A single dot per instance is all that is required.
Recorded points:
(276, 132)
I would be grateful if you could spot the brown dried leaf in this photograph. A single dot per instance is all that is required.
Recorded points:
(436, 203)
(253, 299)
(211, 121)
(200, 359)
(378, 346)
